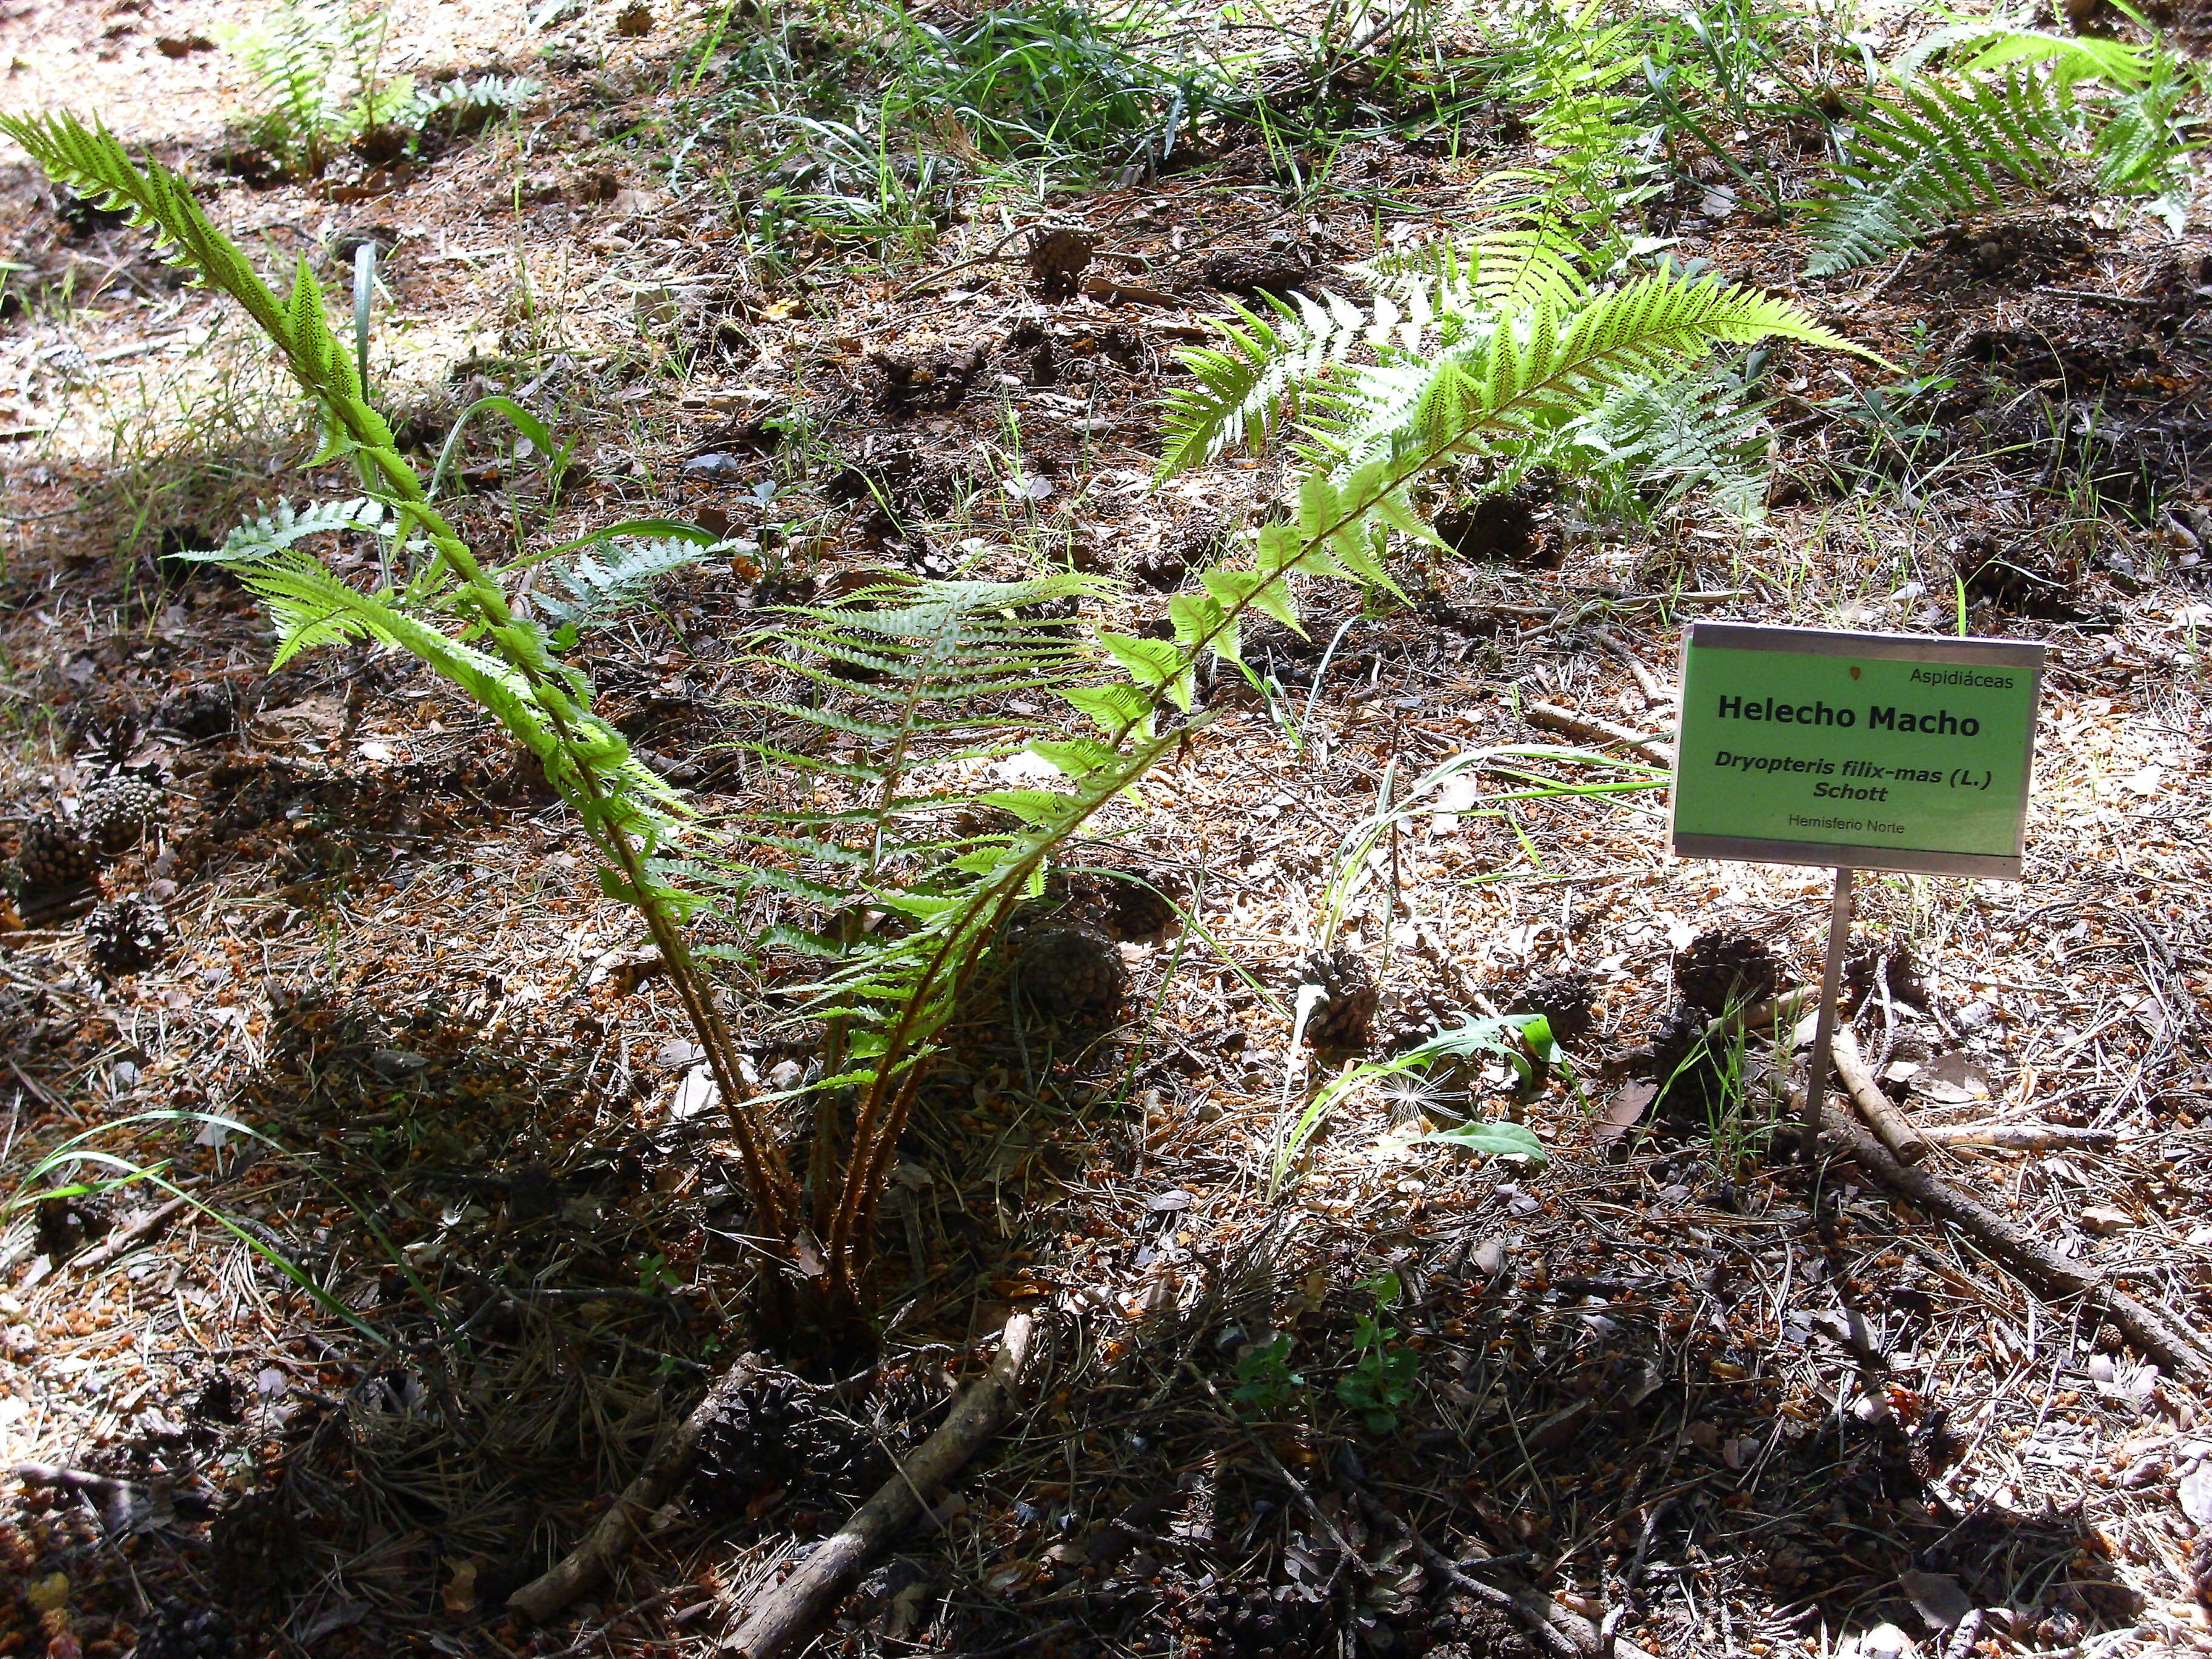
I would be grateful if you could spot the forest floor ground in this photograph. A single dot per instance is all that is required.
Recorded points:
(1755, 1408)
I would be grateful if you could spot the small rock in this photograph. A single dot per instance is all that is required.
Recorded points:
(716, 466)
(1873, 1410)
(1936, 1597)
(695, 1095)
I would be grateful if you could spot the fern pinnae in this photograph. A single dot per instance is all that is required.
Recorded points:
(1932, 153)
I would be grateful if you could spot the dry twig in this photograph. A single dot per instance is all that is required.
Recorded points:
(786, 1613)
(546, 1595)
(2152, 1333)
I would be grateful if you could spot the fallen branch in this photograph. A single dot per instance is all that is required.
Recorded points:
(130, 1236)
(2152, 1333)
(789, 1610)
(1897, 1131)
(546, 1595)
(2023, 1137)
(1784, 1008)
(1589, 730)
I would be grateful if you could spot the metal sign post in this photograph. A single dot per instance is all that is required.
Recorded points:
(1863, 751)
(1824, 1028)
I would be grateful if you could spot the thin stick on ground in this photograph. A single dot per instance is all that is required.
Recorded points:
(786, 1613)
(2172, 1346)
(544, 1596)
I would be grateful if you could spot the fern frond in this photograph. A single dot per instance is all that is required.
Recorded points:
(1932, 155)
(312, 605)
(1704, 431)
(90, 161)
(1499, 270)
(1243, 386)
(275, 532)
(597, 591)
(463, 105)
(1985, 44)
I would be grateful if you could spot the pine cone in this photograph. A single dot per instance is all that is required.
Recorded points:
(1134, 904)
(1684, 1067)
(205, 710)
(54, 854)
(1561, 999)
(127, 935)
(179, 1632)
(117, 811)
(1072, 971)
(1255, 1622)
(1721, 970)
(782, 1432)
(1344, 1018)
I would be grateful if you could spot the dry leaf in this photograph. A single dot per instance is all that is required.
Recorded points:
(2195, 1494)
(460, 1595)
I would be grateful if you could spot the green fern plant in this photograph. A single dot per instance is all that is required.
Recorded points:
(1570, 67)
(2012, 112)
(437, 601)
(316, 67)
(894, 889)
(1932, 154)
(1525, 350)
(1353, 381)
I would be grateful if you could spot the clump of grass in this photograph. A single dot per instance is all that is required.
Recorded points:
(186, 454)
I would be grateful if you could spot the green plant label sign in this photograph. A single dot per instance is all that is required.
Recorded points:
(1876, 751)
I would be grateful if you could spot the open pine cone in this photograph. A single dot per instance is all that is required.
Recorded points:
(1721, 970)
(1561, 999)
(1344, 1018)
(1070, 970)
(127, 935)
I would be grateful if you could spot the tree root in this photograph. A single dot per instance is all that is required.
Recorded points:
(544, 1596)
(2172, 1346)
(785, 1612)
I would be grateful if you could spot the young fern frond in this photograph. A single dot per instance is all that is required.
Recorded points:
(1245, 386)
(1930, 155)
(596, 590)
